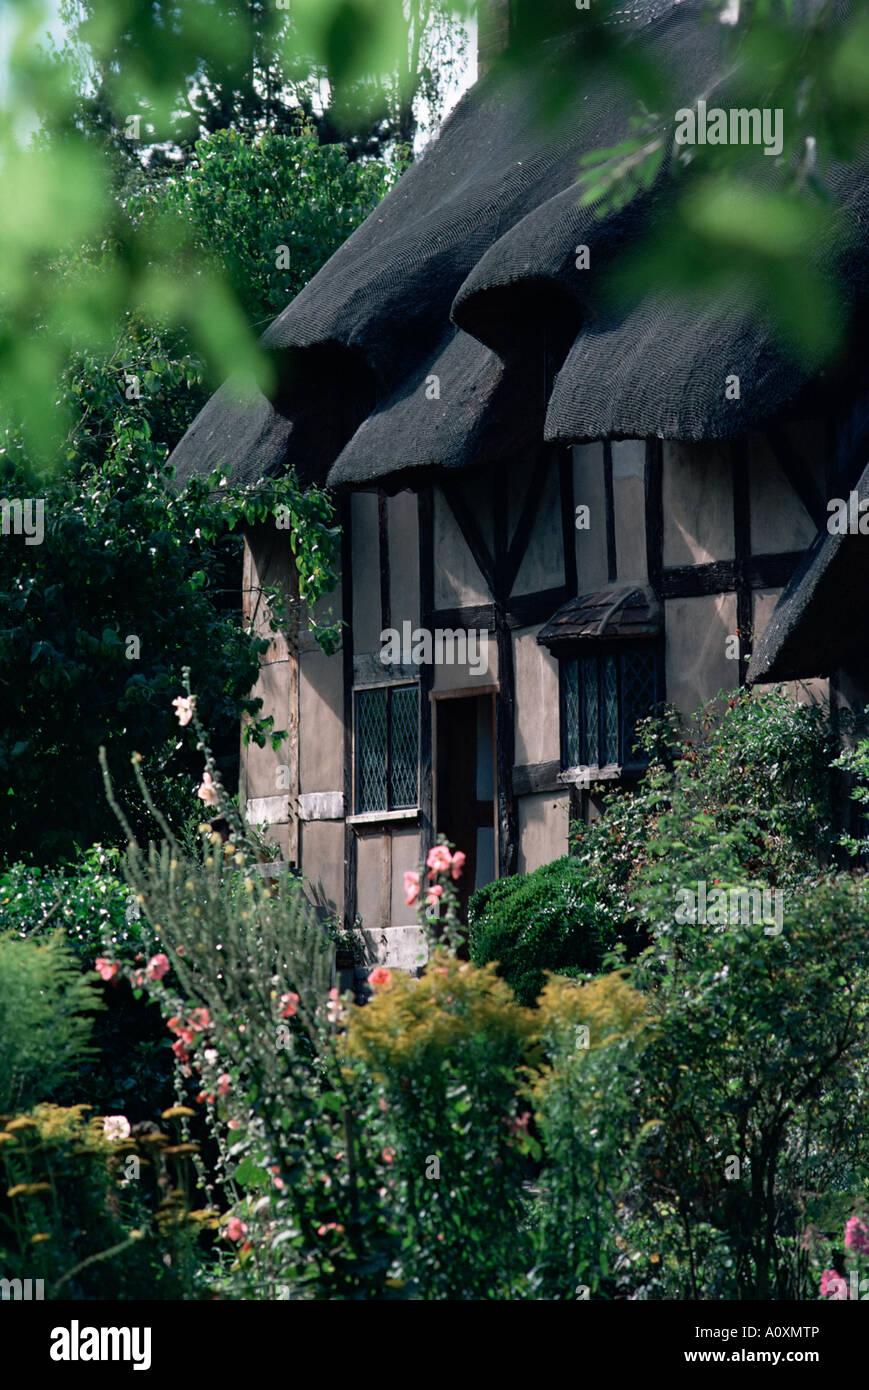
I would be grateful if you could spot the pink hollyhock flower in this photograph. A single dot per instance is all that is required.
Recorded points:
(457, 865)
(278, 1181)
(199, 1020)
(833, 1285)
(411, 887)
(235, 1229)
(174, 1023)
(388, 1155)
(106, 969)
(289, 1004)
(138, 978)
(438, 861)
(335, 1009)
(184, 708)
(380, 978)
(180, 1050)
(329, 1226)
(157, 966)
(223, 1084)
(207, 791)
(856, 1236)
(433, 894)
(382, 1103)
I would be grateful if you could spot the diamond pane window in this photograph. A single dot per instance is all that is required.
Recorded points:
(404, 746)
(639, 693)
(589, 741)
(609, 699)
(387, 748)
(604, 695)
(570, 712)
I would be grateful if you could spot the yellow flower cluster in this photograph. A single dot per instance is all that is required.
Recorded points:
(577, 1020)
(608, 1007)
(414, 1023)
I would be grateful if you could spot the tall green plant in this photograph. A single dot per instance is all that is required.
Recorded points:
(45, 1018)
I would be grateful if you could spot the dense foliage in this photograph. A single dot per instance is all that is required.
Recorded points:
(692, 1125)
(45, 1028)
(545, 920)
(130, 580)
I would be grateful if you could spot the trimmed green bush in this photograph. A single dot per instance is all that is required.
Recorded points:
(545, 920)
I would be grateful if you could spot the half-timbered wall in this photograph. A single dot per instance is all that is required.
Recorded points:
(715, 528)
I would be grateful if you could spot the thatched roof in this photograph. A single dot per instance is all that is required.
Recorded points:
(467, 269)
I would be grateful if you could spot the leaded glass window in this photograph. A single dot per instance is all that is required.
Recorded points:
(604, 696)
(387, 748)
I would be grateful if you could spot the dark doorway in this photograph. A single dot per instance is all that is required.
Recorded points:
(465, 784)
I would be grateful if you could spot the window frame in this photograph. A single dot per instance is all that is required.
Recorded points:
(627, 763)
(401, 812)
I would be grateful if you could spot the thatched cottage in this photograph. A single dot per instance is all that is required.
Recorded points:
(554, 515)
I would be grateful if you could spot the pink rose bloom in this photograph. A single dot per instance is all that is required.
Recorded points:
(223, 1084)
(235, 1229)
(380, 978)
(457, 865)
(207, 791)
(857, 1236)
(106, 969)
(289, 1004)
(433, 894)
(411, 887)
(833, 1285)
(157, 967)
(184, 708)
(438, 861)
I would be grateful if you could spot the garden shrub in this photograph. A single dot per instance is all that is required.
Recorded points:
(545, 920)
(130, 1069)
(97, 1211)
(695, 1124)
(443, 1056)
(755, 766)
(755, 1087)
(592, 1038)
(45, 1023)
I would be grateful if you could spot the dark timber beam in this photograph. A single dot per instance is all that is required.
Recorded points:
(798, 474)
(568, 520)
(347, 675)
(425, 524)
(505, 704)
(467, 524)
(611, 558)
(742, 551)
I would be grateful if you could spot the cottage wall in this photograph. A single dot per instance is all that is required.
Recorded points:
(715, 528)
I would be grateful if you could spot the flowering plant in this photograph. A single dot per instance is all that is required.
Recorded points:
(432, 890)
